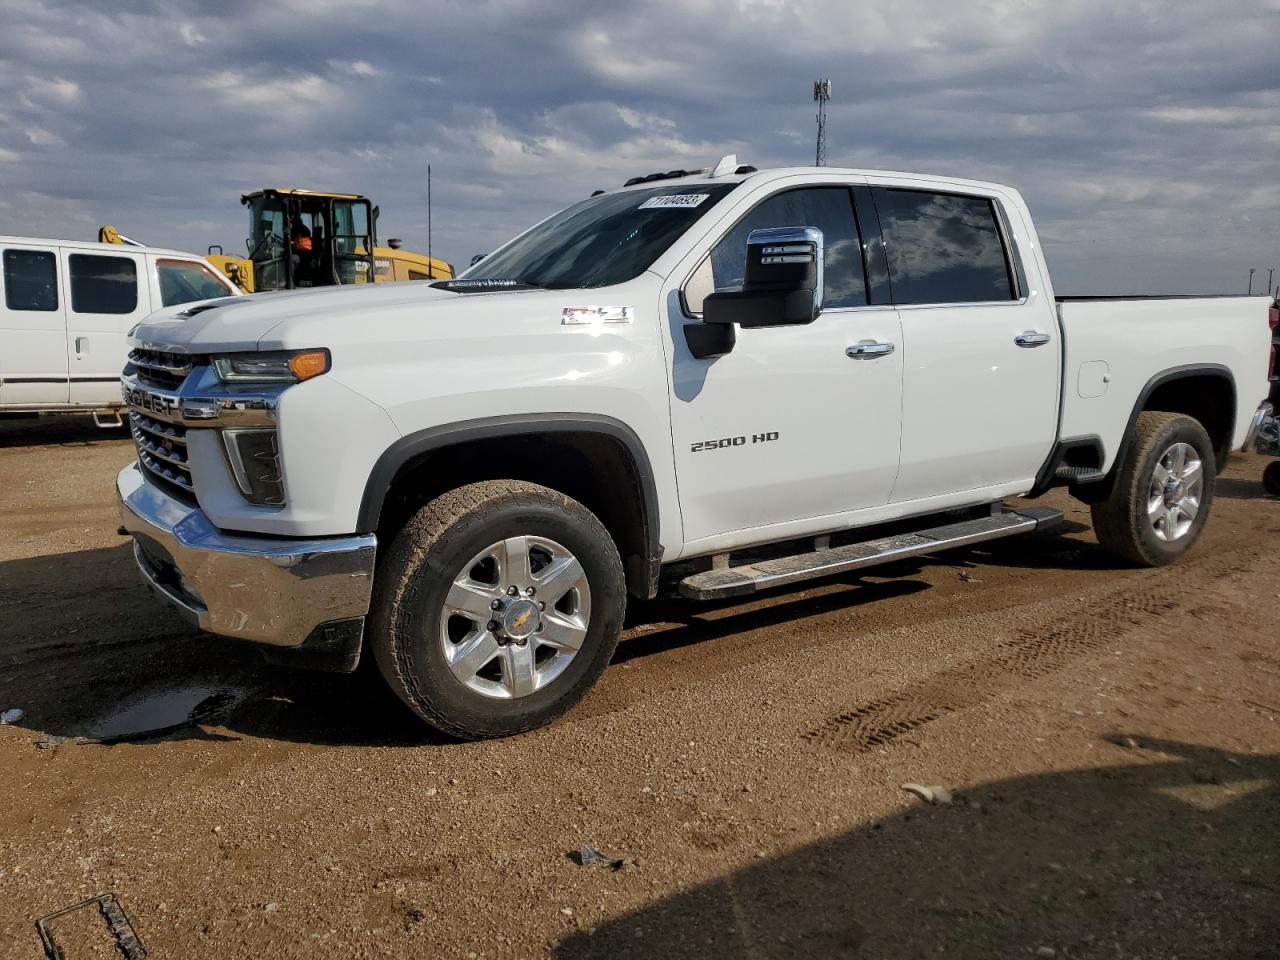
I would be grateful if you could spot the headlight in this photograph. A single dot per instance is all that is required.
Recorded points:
(271, 367)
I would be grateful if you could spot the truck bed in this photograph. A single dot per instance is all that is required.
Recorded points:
(1116, 347)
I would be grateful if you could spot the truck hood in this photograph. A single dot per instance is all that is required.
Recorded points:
(242, 323)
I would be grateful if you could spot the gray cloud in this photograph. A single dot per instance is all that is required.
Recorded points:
(1146, 136)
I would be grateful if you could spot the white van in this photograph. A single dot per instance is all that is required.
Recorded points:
(66, 308)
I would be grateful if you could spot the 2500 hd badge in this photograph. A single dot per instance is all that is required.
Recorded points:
(702, 446)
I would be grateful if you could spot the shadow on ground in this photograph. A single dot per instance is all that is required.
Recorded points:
(20, 430)
(1173, 853)
(87, 649)
(1235, 489)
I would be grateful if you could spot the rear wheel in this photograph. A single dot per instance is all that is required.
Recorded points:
(498, 605)
(1162, 492)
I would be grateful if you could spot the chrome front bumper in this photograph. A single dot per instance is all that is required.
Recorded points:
(263, 589)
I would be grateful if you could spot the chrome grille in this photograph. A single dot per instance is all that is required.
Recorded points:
(160, 368)
(162, 451)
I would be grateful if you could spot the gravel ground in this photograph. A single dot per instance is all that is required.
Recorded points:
(1110, 738)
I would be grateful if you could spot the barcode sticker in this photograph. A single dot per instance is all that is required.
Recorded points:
(674, 200)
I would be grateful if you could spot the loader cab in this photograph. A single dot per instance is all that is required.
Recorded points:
(301, 238)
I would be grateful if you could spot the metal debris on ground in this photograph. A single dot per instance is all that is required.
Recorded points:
(586, 855)
(12, 715)
(929, 794)
(113, 916)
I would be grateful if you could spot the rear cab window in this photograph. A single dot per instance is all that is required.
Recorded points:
(944, 247)
(103, 284)
(184, 281)
(30, 280)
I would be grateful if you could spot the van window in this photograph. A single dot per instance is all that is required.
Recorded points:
(30, 280)
(103, 284)
(182, 281)
(943, 248)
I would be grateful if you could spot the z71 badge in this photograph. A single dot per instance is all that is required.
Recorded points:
(702, 446)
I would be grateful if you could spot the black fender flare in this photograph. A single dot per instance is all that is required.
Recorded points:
(414, 445)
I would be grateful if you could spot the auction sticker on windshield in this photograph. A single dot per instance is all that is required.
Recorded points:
(674, 200)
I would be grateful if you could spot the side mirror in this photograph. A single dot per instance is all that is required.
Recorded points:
(782, 286)
(477, 258)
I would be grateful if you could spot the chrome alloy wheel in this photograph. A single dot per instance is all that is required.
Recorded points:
(515, 617)
(1173, 499)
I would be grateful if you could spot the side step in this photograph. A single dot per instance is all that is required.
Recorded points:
(1079, 474)
(748, 579)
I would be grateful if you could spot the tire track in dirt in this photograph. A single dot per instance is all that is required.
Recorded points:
(1030, 654)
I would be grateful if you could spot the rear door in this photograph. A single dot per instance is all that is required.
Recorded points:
(106, 296)
(33, 328)
(981, 351)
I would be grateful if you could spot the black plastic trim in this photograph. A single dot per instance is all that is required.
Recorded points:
(1047, 478)
(333, 647)
(425, 441)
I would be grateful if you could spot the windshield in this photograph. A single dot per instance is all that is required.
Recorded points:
(602, 241)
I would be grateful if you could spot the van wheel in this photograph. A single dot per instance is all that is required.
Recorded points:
(1162, 493)
(496, 608)
(1271, 478)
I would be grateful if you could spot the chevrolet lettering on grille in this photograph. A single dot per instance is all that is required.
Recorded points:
(140, 399)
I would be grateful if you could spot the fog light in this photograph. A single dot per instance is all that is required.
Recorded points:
(254, 456)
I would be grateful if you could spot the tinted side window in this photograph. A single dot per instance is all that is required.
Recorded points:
(830, 209)
(942, 248)
(30, 280)
(103, 284)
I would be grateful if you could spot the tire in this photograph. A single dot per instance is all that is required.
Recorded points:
(450, 566)
(1271, 478)
(1136, 521)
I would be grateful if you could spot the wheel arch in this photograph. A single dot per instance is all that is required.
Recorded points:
(1205, 391)
(597, 458)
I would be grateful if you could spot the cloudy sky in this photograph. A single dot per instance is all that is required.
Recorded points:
(1145, 136)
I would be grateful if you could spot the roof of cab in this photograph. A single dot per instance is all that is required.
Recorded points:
(296, 192)
(94, 245)
(778, 173)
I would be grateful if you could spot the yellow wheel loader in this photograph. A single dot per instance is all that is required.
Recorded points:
(307, 238)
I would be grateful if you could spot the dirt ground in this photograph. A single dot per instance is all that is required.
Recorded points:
(1111, 737)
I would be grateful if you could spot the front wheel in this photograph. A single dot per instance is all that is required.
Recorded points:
(497, 607)
(1162, 492)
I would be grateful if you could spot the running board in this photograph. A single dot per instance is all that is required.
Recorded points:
(741, 581)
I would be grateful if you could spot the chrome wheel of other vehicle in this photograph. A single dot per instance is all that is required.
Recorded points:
(515, 617)
(1173, 498)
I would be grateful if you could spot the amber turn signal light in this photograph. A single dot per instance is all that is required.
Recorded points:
(309, 364)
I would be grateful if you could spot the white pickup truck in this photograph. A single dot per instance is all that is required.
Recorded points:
(725, 381)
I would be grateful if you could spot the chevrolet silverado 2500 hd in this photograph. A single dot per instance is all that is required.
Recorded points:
(730, 381)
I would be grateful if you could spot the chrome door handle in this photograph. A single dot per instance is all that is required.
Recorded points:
(1029, 338)
(868, 350)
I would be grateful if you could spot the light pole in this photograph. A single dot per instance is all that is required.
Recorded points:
(1252, 271)
(821, 94)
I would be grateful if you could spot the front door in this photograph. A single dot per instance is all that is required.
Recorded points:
(107, 294)
(787, 431)
(982, 356)
(33, 329)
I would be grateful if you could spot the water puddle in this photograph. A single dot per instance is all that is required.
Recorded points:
(154, 713)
